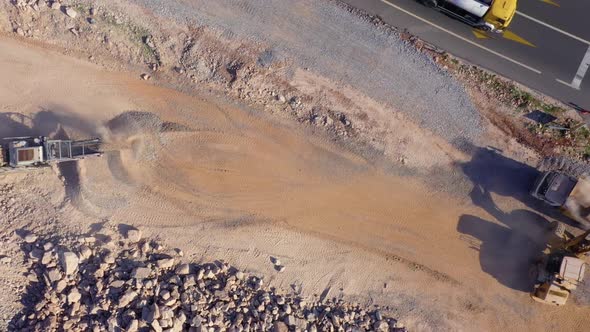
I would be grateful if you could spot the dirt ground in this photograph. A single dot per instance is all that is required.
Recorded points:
(224, 181)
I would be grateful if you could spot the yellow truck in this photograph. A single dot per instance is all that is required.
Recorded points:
(487, 15)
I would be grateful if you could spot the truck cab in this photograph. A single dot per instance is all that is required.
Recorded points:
(554, 188)
(500, 14)
(571, 195)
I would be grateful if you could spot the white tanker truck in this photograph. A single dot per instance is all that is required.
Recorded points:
(488, 15)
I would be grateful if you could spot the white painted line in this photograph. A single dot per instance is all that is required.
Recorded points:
(582, 70)
(577, 81)
(461, 37)
(554, 28)
(565, 83)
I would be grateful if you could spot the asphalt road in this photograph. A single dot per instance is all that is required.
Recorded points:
(546, 47)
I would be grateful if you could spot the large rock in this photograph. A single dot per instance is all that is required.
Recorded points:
(85, 252)
(381, 326)
(165, 263)
(133, 325)
(74, 296)
(290, 320)
(129, 296)
(182, 269)
(280, 327)
(156, 326)
(69, 262)
(54, 275)
(30, 238)
(150, 313)
(133, 235)
(71, 12)
(141, 272)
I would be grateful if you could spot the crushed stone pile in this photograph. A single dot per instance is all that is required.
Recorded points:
(116, 283)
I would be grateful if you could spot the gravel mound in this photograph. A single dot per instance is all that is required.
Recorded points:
(332, 40)
(111, 283)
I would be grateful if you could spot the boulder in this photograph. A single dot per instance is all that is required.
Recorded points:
(30, 238)
(129, 296)
(182, 269)
(141, 273)
(71, 12)
(69, 262)
(74, 296)
(54, 275)
(133, 235)
(133, 325)
(280, 327)
(165, 263)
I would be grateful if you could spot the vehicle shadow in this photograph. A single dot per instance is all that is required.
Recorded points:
(510, 242)
(509, 247)
(491, 172)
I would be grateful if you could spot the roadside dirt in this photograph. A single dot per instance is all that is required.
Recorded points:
(225, 182)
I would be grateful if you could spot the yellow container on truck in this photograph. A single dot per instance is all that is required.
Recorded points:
(489, 15)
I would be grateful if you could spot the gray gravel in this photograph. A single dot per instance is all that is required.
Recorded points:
(326, 38)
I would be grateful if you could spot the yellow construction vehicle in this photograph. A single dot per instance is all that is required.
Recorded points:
(488, 15)
(562, 268)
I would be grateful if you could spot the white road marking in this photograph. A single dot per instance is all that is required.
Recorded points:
(577, 81)
(554, 28)
(461, 37)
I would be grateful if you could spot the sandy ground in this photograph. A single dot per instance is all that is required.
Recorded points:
(222, 181)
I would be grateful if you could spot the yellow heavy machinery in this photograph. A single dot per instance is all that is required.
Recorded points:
(488, 15)
(562, 268)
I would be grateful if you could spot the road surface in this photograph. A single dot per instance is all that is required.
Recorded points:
(547, 46)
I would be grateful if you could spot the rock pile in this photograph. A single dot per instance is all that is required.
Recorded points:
(134, 284)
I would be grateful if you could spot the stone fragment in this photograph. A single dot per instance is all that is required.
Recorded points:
(127, 298)
(133, 235)
(280, 327)
(71, 12)
(165, 263)
(30, 238)
(182, 269)
(54, 275)
(133, 326)
(85, 252)
(74, 296)
(69, 262)
(141, 273)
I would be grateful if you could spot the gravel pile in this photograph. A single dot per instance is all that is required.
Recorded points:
(330, 39)
(111, 283)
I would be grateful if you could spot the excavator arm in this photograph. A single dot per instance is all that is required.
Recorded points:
(578, 245)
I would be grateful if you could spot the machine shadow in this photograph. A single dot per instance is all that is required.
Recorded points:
(508, 250)
(510, 244)
(491, 172)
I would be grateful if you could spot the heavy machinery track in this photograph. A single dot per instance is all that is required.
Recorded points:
(565, 165)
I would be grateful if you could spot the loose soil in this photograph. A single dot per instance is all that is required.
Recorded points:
(222, 181)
